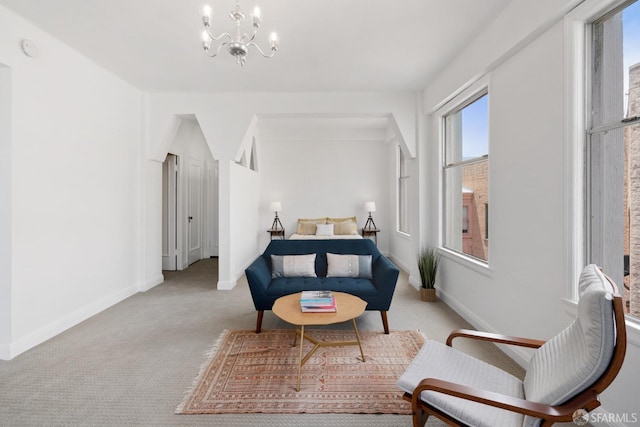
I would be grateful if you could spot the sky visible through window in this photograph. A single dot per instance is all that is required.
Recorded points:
(631, 43)
(475, 129)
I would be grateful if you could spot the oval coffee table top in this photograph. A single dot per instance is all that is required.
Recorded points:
(288, 309)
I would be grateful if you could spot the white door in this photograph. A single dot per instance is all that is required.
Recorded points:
(169, 211)
(194, 211)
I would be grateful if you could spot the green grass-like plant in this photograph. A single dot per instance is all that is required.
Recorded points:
(428, 262)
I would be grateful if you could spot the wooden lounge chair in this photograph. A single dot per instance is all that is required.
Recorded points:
(562, 383)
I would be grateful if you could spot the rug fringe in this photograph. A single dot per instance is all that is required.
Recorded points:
(209, 355)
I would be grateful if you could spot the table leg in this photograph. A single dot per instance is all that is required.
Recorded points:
(355, 328)
(300, 359)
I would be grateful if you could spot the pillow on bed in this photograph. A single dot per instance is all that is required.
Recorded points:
(349, 266)
(324, 229)
(293, 266)
(345, 227)
(308, 226)
(349, 218)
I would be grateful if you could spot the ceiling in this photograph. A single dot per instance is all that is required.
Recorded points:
(325, 45)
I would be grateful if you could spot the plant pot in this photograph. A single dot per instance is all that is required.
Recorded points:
(428, 295)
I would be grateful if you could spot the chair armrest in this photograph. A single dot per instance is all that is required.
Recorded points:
(497, 338)
(498, 400)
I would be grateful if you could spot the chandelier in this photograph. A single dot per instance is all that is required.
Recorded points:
(239, 44)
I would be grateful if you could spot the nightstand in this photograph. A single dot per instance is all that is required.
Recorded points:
(278, 233)
(366, 232)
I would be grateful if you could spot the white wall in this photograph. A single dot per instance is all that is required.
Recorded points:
(331, 178)
(5, 210)
(75, 132)
(243, 191)
(523, 290)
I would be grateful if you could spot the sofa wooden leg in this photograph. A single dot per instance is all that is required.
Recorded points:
(385, 322)
(259, 322)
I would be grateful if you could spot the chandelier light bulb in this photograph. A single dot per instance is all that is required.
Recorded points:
(273, 39)
(207, 11)
(256, 14)
(206, 40)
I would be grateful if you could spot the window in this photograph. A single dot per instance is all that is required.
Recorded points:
(403, 193)
(466, 176)
(613, 146)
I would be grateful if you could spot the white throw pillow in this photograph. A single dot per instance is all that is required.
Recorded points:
(349, 266)
(324, 229)
(293, 266)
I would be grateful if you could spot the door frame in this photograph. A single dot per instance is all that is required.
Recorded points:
(170, 194)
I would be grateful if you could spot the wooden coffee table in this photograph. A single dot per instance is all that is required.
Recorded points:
(349, 306)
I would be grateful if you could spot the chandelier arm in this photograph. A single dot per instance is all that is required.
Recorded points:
(219, 37)
(217, 50)
(253, 36)
(273, 52)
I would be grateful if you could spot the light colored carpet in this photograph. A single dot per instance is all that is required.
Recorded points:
(257, 373)
(131, 364)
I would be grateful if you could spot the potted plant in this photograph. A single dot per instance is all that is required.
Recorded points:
(428, 262)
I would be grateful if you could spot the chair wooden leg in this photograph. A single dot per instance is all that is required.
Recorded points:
(259, 322)
(385, 322)
(420, 418)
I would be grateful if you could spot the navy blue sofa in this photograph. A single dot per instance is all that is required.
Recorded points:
(377, 292)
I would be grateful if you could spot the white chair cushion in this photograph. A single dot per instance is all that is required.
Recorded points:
(436, 360)
(572, 360)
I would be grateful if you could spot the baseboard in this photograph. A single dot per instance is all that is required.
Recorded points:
(151, 283)
(58, 326)
(226, 285)
(5, 352)
(521, 357)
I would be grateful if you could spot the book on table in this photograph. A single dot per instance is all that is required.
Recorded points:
(318, 302)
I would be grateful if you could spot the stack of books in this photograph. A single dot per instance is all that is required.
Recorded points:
(318, 302)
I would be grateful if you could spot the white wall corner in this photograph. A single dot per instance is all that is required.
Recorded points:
(247, 141)
(159, 152)
(407, 142)
(151, 283)
(226, 285)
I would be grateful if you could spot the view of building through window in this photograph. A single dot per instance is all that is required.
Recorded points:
(614, 151)
(466, 178)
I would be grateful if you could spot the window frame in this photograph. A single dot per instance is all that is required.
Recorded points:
(402, 208)
(457, 102)
(600, 242)
(577, 95)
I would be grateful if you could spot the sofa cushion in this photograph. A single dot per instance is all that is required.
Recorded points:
(351, 285)
(293, 265)
(348, 265)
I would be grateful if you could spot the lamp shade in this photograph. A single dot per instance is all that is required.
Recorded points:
(370, 206)
(276, 207)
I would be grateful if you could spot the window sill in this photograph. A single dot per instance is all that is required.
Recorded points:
(403, 235)
(471, 263)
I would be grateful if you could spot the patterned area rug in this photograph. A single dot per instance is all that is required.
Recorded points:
(257, 373)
